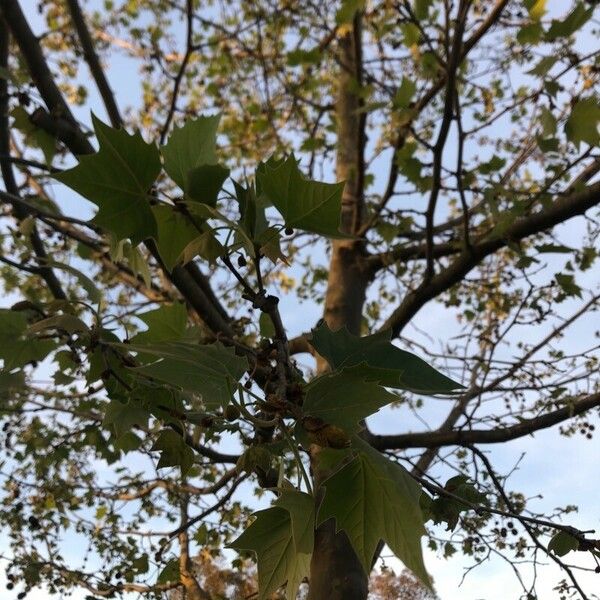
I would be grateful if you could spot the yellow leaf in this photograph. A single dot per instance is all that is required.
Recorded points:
(537, 9)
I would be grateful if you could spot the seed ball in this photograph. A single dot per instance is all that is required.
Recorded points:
(232, 413)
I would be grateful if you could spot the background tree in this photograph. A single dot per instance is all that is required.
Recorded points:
(466, 133)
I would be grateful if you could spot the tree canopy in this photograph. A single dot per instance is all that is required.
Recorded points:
(236, 237)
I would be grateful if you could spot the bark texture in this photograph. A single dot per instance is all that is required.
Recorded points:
(336, 572)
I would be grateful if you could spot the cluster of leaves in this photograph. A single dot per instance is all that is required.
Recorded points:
(167, 374)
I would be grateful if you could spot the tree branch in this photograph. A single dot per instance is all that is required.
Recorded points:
(437, 439)
(562, 209)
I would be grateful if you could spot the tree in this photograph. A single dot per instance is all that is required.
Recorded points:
(149, 376)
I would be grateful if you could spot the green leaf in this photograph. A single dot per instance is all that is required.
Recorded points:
(309, 205)
(548, 122)
(256, 456)
(271, 537)
(86, 283)
(582, 124)
(562, 543)
(65, 322)
(554, 249)
(205, 182)
(343, 399)
(405, 93)
(543, 67)
(267, 329)
(167, 323)
(123, 416)
(446, 509)
(347, 10)
(373, 499)
(375, 358)
(34, 135)
(304, 57)
(170, 572)
(301, 507)
(117, 179)
(494, 164)
(206, 245)
(10, 382)
(212, 371)
(421, 8)
(252, 212)
(530, 34)
(568, 285)
(411, 34)
(174, 451)
(175, 232)
(571, 23)
(190, 146)
(16, 349)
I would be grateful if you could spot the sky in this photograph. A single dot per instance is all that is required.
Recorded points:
(561, 471)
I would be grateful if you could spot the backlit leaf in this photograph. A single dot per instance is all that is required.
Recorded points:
(309, 205)
(373, 499)
(174, 452)
(117, 179)
(582, 124)
(212, 371)
(271, 537)
(190, 146)
(375, 358)
(16, 348)
(343, 399)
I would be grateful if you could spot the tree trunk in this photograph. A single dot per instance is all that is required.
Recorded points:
(336, 572)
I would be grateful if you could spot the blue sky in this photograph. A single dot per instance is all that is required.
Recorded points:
(563, 471)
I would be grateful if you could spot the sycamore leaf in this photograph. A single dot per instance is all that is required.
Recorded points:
(543, 66)
(170, 572)
(375, 358)
(33, 134)
(301, 507)
(212, 371)
(270, 536)
(373, 499)
(582, 124)
(190, 146)
(175, 232)
(536, 8)
(309, 205)
(16, 349)
(10, 382)
(347, 10)
(123, 416)
(446, 509)
(174, 451)
(117, 179)
(65, 322)
(167, 323)
(562, 543)
(567, 26)
(256, 456)
(421, 8)
(266, 327)
(343, 399)
(86, 283)
(405, 93)
(269, 245)
(206, 245)
(205, 182)
(252, 211)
